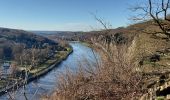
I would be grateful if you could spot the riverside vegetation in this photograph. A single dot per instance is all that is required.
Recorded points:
(29, 56)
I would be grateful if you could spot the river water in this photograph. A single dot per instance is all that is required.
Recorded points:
(46, 84)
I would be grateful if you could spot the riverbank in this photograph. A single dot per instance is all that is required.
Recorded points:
(62, 55)
(41, 70)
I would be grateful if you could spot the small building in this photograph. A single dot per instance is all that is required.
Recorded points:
(6, 65)
(6, 69)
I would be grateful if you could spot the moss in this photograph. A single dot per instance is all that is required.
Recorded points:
(160, 98)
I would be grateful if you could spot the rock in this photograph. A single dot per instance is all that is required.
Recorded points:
(166, 85)
(161, 88)
(168, 97)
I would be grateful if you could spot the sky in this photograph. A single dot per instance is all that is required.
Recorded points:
(63, 15)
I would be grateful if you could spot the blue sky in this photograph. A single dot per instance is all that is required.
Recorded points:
(63, 15)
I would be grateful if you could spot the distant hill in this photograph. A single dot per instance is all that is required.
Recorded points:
(59, 33)
(13, 41)
(50, 32)
(129, 31)
(20, 36)
(68, 35)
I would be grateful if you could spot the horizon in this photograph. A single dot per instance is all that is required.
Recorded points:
(57, 15)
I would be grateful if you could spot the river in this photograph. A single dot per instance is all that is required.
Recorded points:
(46, 84)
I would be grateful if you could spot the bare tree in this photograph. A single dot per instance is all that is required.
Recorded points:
(158, 11)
